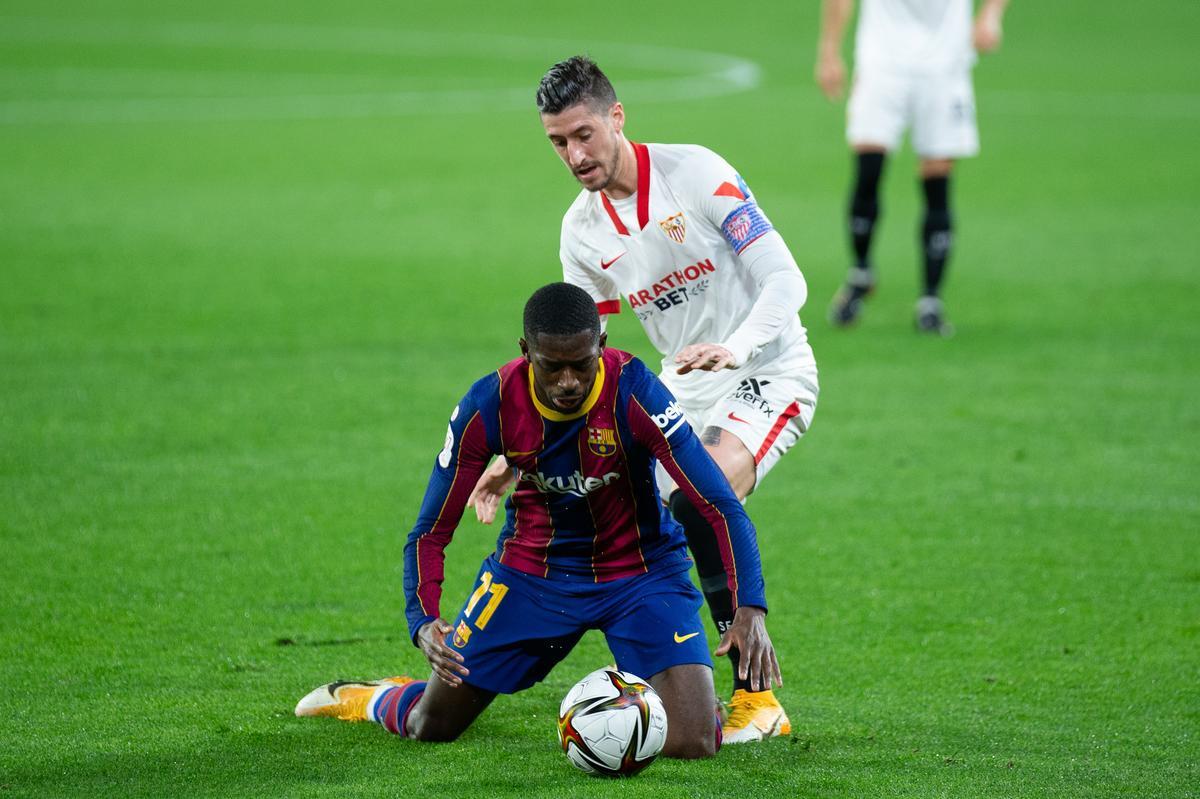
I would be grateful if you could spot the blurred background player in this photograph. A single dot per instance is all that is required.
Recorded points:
(675, 231)
(912, 71)
(587, 544)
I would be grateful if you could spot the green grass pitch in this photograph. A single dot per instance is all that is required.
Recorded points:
(252, 254)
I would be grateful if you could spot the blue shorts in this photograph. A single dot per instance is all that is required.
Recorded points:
(514, 627)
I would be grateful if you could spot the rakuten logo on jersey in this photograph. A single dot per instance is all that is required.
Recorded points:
(672, 289)
(577, 485)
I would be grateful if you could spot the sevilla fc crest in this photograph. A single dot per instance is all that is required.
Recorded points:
(602, 441)
(739, 226)
(674, 228)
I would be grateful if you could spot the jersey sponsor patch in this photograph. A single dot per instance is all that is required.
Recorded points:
(448, 448)
(670, 420)
(741, 191)
(743, 225)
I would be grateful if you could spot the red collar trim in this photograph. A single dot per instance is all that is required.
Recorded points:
(642, 153)
(643, 167)
(612, 214)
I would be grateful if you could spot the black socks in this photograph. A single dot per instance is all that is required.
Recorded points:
(864, 206)
(702, 541)
(936, 231)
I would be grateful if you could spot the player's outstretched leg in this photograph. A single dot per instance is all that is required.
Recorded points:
(937, 236)
(753, 715)
(863, 213)
(422, 710)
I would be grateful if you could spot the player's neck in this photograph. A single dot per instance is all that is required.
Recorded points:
(624, 184)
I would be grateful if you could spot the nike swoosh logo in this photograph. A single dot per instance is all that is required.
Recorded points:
(679, 639)
(511, 454)
(737, 419)
(606, 264)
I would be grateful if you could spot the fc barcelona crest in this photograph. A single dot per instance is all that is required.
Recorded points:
(462, 635)
(674, 227)
(602, 441)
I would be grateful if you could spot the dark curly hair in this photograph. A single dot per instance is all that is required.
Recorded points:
(560, 309)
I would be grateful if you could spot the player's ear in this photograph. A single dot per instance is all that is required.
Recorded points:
(616, 115)
(524, 350)
(603, 341)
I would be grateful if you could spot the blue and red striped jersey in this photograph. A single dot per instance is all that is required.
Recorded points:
(586, 506)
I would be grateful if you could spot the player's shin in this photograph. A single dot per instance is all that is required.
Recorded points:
(936, 231)
(864, 206)
(702, 542)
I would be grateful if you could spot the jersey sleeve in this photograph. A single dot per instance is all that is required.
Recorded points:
(578, 272)
(657, 422)
(726, 202)
(721, 196)
(463, 458)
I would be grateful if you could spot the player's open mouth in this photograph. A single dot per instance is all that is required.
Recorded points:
(568, 403)
(586, 172)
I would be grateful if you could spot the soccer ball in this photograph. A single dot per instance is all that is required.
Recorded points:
(612, 723)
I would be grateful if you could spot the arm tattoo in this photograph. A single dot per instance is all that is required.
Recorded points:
(711, 436)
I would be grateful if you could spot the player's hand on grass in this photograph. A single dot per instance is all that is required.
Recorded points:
(447, 664)
(831, 75)
(493, 484)
(758, 663)
(709, 357)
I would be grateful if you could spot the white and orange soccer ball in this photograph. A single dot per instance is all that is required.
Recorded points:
(612, 723)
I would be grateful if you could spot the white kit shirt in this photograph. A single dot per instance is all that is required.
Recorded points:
(914, 35)
(694, 258)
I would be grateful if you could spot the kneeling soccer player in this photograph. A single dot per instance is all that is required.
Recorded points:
(587, 543)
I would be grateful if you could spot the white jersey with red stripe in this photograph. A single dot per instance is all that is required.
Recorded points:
(673, 252)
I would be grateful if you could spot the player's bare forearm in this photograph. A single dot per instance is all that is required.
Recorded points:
(758, 663)
(830, 71)
(491, 487)
(835, 15)
(447, 664)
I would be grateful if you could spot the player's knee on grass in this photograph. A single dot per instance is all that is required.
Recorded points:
(690, 701)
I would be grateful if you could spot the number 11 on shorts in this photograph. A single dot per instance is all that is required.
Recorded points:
(486, 586)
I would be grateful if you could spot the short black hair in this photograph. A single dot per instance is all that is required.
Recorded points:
(560, 309)
(573, 81)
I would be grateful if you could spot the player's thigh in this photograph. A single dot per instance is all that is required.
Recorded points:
(690, 701)
(878, 111)
(514, 628)
(652, 623)
(944, 125)
(768, 412)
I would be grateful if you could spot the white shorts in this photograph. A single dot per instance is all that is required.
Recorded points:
(768, 412)
(938, 107)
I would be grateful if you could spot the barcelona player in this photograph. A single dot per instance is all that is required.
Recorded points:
(587, 543)
(674, 232)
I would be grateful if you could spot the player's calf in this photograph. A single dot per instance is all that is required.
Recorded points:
(688, 697)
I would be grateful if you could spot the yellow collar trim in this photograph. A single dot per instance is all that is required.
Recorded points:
(557, 416)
